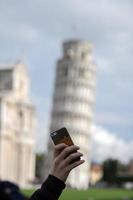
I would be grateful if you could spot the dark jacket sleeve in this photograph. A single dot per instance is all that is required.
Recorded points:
(51, 189)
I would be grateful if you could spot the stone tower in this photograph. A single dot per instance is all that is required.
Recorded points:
(73, 101)
(17, 125)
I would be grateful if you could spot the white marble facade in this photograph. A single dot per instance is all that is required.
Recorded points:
(73, 102)
(17, 125)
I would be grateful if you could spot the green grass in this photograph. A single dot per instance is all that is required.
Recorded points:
(93, 194)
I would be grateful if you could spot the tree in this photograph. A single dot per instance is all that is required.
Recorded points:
(39, 165)
(110, 171)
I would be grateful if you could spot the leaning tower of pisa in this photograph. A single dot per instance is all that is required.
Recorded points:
(73, 101)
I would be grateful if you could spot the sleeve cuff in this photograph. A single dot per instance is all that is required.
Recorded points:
(54, 185)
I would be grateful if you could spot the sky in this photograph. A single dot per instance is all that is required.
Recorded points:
(33, 30)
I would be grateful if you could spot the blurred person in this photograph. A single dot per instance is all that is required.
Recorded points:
(65, 159)
(10, 191)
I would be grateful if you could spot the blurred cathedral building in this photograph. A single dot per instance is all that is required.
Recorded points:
(73, 103)
(17, 125)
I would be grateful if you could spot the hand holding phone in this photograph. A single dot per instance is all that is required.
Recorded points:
(65, 159)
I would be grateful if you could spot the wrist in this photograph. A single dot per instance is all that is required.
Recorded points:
(60, 177)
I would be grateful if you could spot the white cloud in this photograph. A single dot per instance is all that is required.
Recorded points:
(108, 145)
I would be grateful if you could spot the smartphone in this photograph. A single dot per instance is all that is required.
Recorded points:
(61, 136)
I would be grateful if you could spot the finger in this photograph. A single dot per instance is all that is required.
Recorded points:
(58, 148)
(61, 146)
(72, 157)
(68, 150)
(74, 165)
